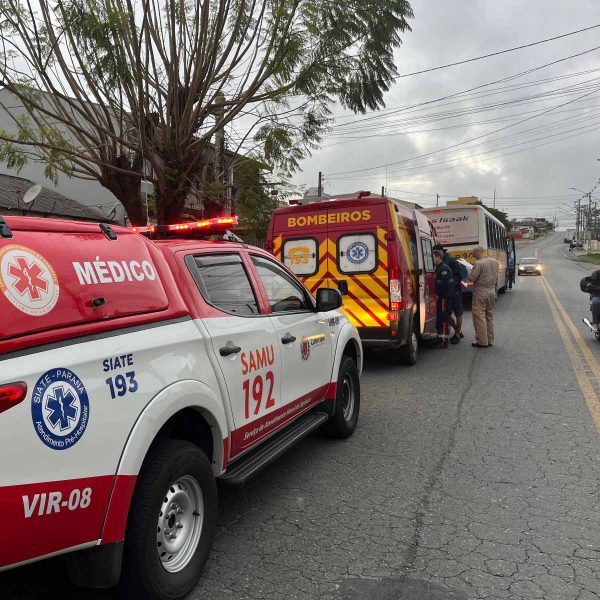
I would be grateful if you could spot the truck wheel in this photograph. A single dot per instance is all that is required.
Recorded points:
(409, 353)
(171, 523)
(347, 401)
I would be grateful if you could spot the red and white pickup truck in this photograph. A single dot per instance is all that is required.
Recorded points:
(134, 374)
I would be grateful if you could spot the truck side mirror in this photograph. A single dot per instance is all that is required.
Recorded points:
(328, 299)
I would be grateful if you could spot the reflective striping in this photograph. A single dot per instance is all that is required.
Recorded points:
(42, 518)
(367, 301)
(277, 246)
(353, 318)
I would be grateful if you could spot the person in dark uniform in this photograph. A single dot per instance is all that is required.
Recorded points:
(457, 302)
(445, 291)
(511, 270)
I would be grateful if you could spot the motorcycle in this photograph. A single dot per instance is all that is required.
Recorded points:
(595, 331)
(591, 285)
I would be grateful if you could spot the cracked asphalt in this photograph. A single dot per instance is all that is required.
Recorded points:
(474, 474)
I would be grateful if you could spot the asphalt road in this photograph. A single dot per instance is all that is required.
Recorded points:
(475, 474)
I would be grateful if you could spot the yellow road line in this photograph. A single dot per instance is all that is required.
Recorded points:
(590, 358)
(587, 389)
(585, 350)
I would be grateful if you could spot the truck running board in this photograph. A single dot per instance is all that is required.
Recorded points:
(248, 466)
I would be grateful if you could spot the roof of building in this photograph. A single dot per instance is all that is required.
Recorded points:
(47, 203)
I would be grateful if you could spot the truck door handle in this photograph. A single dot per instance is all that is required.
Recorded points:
(288, 339)
(228, 350)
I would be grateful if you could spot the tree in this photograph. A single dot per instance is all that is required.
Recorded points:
(499, 214)
(124, 90)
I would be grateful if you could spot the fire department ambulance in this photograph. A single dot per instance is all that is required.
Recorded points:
(377, 252)
(133, 374)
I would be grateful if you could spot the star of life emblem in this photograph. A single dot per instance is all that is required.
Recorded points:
(60, 408)
(27, 280)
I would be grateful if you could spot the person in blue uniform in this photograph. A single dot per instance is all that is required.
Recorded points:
(445, 290)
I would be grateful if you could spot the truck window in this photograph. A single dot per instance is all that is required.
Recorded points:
(301, 256)
(357, 253)
(283, 292)
(428, 255)
(223, 282)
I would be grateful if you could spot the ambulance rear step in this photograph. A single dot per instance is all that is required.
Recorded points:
(253, 462)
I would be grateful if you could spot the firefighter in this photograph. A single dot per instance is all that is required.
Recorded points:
(445, 290)
(459, 273)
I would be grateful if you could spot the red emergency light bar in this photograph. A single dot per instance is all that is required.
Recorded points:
(193, 228)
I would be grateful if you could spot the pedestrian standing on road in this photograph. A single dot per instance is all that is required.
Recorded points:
(458, 273)
(445, 292)
(511, 270)
(484, 276)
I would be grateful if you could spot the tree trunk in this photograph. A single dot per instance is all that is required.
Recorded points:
(127, 189)
(169, 205)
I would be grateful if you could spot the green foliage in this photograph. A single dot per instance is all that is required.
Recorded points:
(500, 215)
(111, 85)
(255, 205)
(11, 154)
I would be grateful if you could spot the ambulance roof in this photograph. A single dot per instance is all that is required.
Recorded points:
(351, 202)
(61, 279)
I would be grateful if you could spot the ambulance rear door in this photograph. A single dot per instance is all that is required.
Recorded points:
(426, 270)
(357, 260)
(299, 240)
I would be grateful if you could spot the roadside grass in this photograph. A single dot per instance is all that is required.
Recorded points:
(590, 258)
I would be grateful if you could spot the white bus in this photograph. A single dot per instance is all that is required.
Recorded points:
(463, 227)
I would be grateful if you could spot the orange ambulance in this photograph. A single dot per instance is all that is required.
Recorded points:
(377, 251)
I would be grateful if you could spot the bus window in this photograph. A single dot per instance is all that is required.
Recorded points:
(488, 229)
(357, 253)
(427, 255)
(301, 256)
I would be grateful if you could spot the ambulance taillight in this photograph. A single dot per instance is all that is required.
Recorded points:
(395, 290)
(12, 394)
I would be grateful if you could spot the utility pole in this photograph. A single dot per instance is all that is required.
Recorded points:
(589, 222)
(437, 200)
(320, 185)
(220, 151)
(382, 191)
(494, 197)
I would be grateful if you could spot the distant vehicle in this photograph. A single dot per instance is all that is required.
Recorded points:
(569, 236)
(575, 244)
(461, 228)
(529, 266)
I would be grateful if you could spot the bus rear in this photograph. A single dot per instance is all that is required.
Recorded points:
(460, 229)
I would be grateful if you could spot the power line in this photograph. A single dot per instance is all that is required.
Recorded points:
(387, 112)
(365, 170)
(484, 159)
(462, 62)
(418, 119)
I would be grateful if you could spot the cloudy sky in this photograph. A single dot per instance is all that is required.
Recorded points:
(452, 147)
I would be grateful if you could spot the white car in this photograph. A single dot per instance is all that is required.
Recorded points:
(133, 374)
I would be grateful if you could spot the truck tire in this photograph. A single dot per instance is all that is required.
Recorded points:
(347, 401)
(409, 353)
(171, 523)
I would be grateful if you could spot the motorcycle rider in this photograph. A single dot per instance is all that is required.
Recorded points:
(591, 285)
